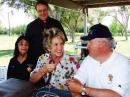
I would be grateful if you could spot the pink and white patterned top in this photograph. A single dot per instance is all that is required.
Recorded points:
(65, 69)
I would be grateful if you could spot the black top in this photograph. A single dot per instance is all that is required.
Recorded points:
(34, 33)
(18, 70)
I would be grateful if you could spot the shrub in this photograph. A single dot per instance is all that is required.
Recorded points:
(116, 28)
(18, 30)
(80, 30)
(3, 30)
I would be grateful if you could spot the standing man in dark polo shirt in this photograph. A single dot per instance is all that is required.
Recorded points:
(35, 28)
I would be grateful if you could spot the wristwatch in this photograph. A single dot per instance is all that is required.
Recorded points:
(83, 91)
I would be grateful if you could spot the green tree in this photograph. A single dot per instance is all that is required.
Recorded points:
(24, 4)
(96, 16)
(101, 14)
(56, 12)
(0, 3)
(18, 30)
(121, 15)
(116, 28)
(3, 30)
(69, 19)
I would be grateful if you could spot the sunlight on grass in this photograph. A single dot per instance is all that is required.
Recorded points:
(6, 48)
(123, 46)
(7, 42)
(5, 53)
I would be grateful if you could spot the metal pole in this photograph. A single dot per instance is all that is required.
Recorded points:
(9, 23)
(85, 23)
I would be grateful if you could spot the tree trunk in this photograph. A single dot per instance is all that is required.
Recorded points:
(126, 36)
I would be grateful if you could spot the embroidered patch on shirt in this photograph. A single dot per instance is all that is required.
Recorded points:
(110, 78)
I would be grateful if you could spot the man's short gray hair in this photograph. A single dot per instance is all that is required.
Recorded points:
(111, 42)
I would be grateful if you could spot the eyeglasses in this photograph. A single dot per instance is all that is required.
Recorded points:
(42, 10)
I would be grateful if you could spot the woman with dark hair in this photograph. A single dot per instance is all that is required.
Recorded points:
(21, 64)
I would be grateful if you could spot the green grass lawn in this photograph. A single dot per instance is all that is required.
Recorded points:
(6, 48)
(4, 53)
(123, 46)
(7, 45)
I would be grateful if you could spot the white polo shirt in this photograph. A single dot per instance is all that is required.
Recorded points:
(113, 74)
